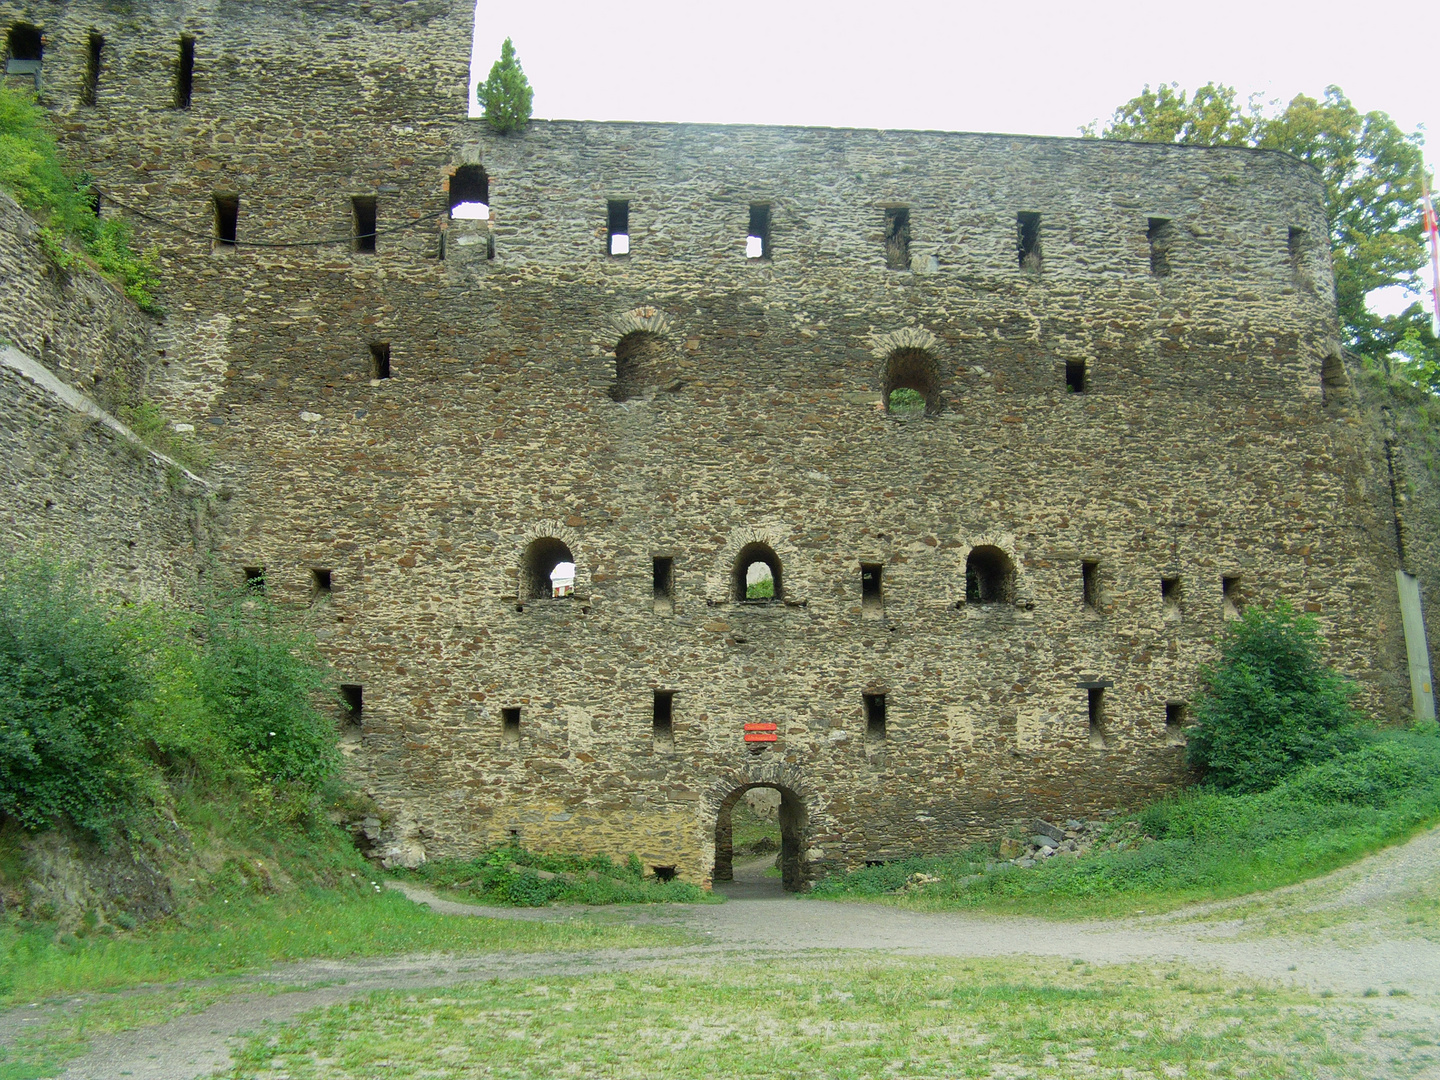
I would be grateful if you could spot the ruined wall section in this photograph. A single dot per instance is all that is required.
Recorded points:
(75, 484)
(75, 322)
(1204, 446)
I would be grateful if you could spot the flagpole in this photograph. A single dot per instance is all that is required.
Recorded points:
(1432, 227)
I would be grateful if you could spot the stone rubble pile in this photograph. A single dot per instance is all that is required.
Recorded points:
(1073, 839)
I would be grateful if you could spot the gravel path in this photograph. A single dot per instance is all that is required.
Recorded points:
(760, 921)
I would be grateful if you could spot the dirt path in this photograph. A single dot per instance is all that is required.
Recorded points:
(1372, 951)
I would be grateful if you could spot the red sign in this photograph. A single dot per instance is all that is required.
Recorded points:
(761, 732)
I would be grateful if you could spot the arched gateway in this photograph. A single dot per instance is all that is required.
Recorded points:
(794, 820)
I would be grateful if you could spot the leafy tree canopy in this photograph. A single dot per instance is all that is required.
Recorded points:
(1372, 173)
(506, 95)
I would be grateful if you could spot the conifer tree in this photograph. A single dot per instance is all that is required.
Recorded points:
(506, 95)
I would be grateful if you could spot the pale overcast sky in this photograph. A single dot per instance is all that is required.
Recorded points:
(1037, 68)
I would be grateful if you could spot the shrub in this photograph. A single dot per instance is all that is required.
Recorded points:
(69, 681)
(258, 678)
(506, 95)
(1271, 704)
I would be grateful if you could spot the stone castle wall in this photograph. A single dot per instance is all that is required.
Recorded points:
(1215, 438)
(75, 484)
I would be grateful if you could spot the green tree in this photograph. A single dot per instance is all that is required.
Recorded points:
(1271, 704)
(1372, 174)
(506, 95)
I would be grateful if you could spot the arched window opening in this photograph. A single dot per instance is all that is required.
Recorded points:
(912, 383)
(549, 570)
(757, 575)
(989, 577)
(470, 194)
(641, 362)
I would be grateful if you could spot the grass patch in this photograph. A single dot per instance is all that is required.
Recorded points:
(521, 878)
(843, 1018)
(232, 935)
(1201, 845)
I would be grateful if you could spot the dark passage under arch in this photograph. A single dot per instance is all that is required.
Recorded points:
(792, 837)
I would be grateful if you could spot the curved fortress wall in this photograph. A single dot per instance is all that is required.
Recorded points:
(1126, 434)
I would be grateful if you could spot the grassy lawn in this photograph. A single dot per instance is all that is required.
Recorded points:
(839, 1018)
(1200, 845)
(223, 941)
(219, 938)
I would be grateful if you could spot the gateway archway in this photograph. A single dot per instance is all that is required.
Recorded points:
(792, 836)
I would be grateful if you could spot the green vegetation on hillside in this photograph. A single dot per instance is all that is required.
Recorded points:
(102, 708)
(34, 172)
(512, 875)
(1203, 844)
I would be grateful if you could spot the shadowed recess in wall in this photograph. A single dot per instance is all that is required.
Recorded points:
(641, 364)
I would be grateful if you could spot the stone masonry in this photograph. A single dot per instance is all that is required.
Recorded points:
(1136, 421)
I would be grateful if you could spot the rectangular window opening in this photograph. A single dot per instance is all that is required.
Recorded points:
(510, 725)
(897, 238)
(664, 582)
(1090, 583)
(874, 718)
(353, 697)
(380, 360)
(1230, 597)
(1295, 247)
(320, 586)
(365, 211)
(1027, 228)
(872, 596)
(618, 218)
(1170, 598)
(1160, 233)
(227, 220)
(662, 719)
(1098, 740)
(254, 578)
(26, 44)
(757, 240)
(1175, 721)
(1075, 377)
(95, 52)
(185, 73)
